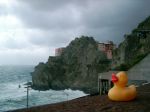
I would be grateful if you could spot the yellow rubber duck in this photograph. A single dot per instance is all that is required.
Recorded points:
(120, 92)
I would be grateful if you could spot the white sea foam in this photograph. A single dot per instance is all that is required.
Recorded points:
(13, 97)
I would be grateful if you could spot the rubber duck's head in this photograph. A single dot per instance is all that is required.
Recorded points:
(120, 79)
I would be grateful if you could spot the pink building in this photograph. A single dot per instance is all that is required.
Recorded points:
(107, 48)
(59, 51)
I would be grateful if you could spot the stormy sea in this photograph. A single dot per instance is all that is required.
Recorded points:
(13, 94)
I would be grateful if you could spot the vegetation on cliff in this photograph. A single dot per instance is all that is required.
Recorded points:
(134, 48)
(76, 68)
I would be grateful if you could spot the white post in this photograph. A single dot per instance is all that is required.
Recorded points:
(100, 84)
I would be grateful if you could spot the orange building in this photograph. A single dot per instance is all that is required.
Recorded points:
(59, 51)
(107, 48)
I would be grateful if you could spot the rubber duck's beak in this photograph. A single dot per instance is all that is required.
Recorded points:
(114, 78)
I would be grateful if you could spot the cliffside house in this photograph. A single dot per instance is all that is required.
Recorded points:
(59, 51)
(107, 48)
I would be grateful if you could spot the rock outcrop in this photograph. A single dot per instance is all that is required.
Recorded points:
(76, 68)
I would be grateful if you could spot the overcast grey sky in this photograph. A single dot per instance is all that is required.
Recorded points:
(30, 30)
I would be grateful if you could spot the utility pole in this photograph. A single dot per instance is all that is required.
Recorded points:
(27, 96)
(28, 86)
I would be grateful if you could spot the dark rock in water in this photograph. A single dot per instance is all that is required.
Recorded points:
(28, 83)
(76, 68)
(19, 86)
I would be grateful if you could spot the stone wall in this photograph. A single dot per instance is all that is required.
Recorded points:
(141, 70)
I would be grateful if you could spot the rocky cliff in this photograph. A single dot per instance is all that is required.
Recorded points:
(76, 68)
(134, 48)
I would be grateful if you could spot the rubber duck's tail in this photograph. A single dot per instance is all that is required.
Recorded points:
(133, 90)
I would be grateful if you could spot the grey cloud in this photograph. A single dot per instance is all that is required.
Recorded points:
(58, 19)
(113, 19)
(45, 5)
(51, 5)
(48, 24)
(119, 13)
(3, 10)
(11, 43)
(52, 38)
(103, 19)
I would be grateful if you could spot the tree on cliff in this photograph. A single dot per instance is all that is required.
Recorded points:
(76, 68)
